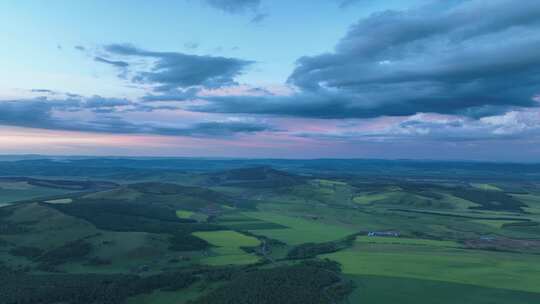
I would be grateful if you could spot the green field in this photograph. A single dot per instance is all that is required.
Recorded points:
(370, 198)
(300, 230)
(493, 223)
(436, 261)
(19, 191)
(184, 214)
(362, 240)
(445, 201)
(532, 200)
(228, 247)
(392, 290)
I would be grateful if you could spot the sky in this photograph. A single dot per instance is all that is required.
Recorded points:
(418, 79)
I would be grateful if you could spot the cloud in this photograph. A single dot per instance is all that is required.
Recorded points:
(227, 128)
(32, 113)
(52, 114)
(235, 6)
(467, 58)
(117, 125)
(115, 63)
(97, 101)
(170, 71)
(80, 48)
(514, 125)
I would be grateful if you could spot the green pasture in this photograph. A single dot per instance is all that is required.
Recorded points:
(367, 199)
(392, 290)
(184, 214)
(435, 261)
(405, 241)
(228, 249)
(19, 191)
(497, 224)
(406, 199)
(532, 201)
(300, 230)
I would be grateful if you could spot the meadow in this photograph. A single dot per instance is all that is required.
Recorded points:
(299, 230)
(439, 263)
(227, 248)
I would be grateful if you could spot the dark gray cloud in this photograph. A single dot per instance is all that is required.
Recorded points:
(97, 101)
(80, 48)
(115, 63)
(41, 112)
(474, 58)
(223, 129)
(235, 6)
(32, 113)
(171, 71)
(117, 125)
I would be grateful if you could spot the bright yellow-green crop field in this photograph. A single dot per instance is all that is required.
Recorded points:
(227, 249)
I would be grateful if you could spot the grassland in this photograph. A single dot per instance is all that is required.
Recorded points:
(184, 214)
(393, 197)
(300, 230)
(391, 290)
(532, 200)
(361, 240)
(370, 198)
(228, 248)
(436, 261)
(498, 224)
(18, 191)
